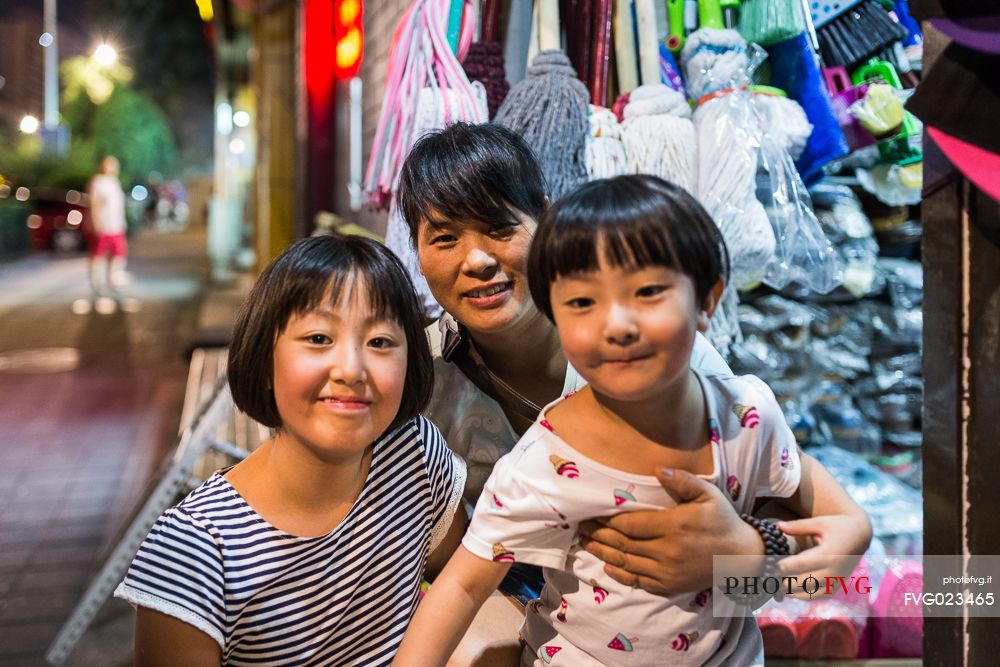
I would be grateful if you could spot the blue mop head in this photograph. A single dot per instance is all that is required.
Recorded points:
(795, 69)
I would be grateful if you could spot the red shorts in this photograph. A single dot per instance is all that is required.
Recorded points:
(113, 243)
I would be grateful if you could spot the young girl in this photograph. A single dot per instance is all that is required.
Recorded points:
(629, 269)
(310, 551)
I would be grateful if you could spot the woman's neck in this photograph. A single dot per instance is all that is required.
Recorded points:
(530, 350)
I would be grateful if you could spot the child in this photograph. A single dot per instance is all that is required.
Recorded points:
(310, 551)
(628, 269)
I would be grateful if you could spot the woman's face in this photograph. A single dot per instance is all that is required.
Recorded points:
(476, 271)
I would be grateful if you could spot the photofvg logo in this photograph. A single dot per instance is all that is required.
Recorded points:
(900, 586)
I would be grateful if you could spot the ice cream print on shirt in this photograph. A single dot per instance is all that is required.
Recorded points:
(537, 496)
(733, 487)
(749, 418)
(624, 496)
(501, 554)
(564, 468)
(683, 641)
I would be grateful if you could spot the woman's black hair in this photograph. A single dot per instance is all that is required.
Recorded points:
(297, 281)
(470, 173)
(642, 221)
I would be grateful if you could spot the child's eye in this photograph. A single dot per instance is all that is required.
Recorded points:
(381, 342)
(318, 339)
(580, 302)
(650, 290)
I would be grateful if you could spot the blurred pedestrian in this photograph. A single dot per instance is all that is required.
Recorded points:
(107, 214)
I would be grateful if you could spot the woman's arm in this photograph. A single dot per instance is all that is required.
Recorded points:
(164, 641)
(670, 551)
(448, 608)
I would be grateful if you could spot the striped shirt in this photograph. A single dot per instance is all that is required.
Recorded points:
(268, 597)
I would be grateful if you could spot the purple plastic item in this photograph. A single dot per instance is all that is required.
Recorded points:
(842, 96)
(897, 628)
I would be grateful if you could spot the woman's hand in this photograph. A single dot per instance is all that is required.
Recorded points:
(670, 551)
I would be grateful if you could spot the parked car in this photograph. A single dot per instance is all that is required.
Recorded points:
(59, 220)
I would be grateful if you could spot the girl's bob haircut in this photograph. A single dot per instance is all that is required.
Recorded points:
(639, 221)
(307, 273)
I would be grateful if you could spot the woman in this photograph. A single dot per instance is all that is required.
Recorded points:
(471, 196)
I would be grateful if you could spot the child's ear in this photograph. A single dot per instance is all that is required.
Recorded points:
(709, 305)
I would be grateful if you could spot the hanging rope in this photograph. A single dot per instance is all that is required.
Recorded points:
(658, 135)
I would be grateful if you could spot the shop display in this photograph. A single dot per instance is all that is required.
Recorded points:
(791, 124)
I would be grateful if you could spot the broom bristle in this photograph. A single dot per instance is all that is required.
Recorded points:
(765, 22)
(858, 34)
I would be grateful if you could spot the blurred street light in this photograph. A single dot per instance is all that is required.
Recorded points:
(29, 124)
(241, 119)
(46, 39)
(105, 55)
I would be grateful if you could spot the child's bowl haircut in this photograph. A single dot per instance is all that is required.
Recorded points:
(470, 173)
(297, 281)
(642, 221)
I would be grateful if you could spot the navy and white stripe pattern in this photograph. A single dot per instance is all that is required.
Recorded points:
(271, 598)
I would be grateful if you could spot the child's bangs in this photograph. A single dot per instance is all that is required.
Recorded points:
(633, 247)
(579, 248)
(355, 290)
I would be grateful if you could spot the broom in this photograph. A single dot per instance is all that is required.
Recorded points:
(766, 22)
(852, 31)
(549, 109)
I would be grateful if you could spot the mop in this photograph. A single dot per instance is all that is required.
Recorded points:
(605, 154)
(784, 119)
(549, 109)
(715, 64)
(658, 136)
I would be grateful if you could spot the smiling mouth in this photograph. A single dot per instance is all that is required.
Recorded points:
(349, 402)
(629, 360)
(488, 291)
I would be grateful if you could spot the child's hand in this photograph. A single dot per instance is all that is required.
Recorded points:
(833, 547)
(670, 551)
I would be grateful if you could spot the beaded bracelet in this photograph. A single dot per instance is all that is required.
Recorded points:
(775, 543)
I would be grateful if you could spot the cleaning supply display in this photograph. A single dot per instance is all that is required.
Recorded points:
(795, 69)
(766, 22)
(658, 136)
(484, 62)
(605, 155)
(851, 32)
(549, 109)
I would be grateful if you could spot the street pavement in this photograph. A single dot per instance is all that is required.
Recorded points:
(89, 404)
